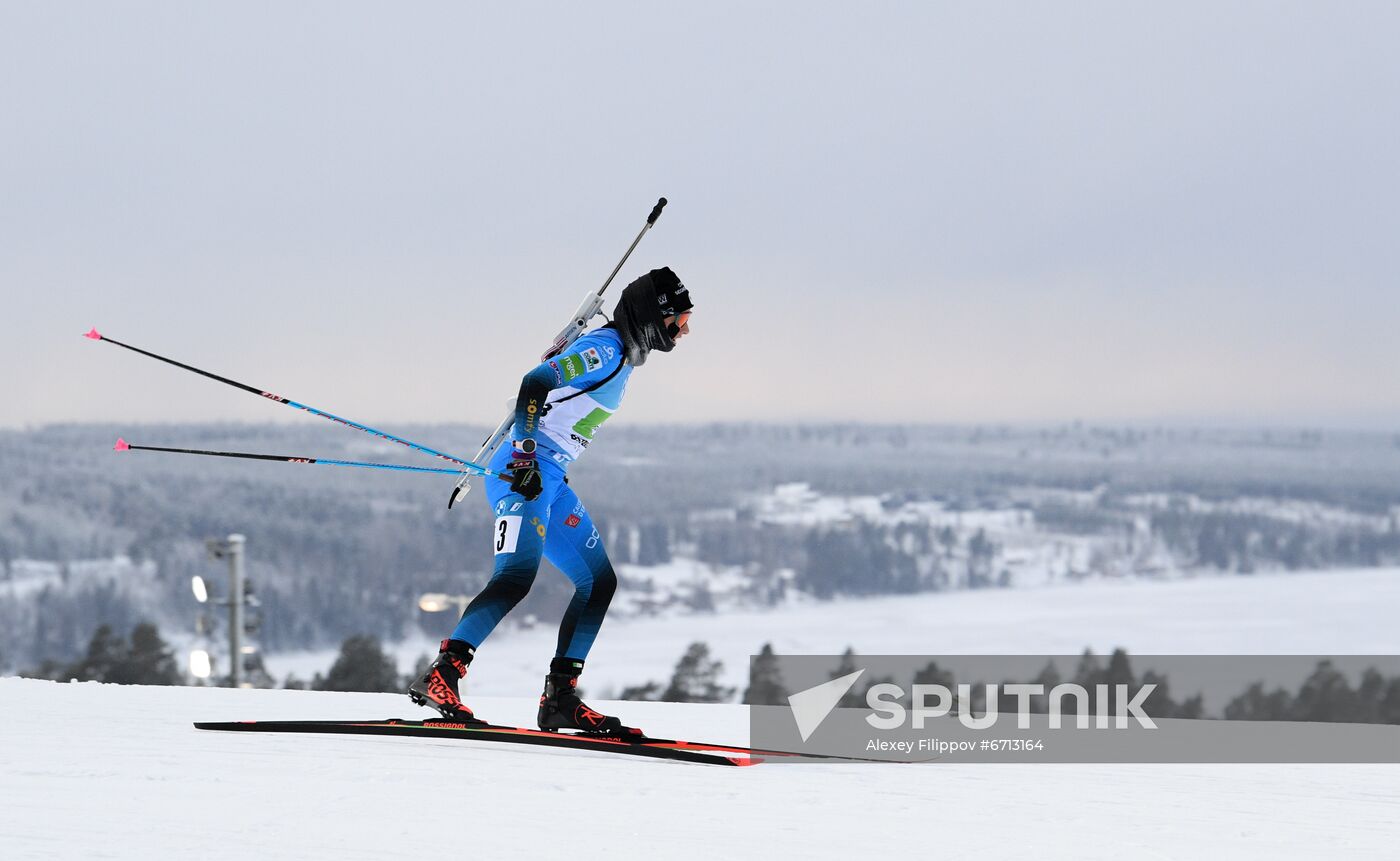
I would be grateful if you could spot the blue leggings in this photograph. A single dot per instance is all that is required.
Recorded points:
(555, 525)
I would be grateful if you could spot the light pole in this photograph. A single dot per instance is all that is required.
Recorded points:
(235, 611)
(231, 548)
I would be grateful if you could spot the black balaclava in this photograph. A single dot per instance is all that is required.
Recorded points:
(645, 303)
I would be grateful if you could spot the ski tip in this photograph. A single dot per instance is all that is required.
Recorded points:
(122, 445)
(93, 334)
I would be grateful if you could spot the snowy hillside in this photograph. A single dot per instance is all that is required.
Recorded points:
(102, 771)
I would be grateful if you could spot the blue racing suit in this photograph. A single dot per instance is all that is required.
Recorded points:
(562, 402)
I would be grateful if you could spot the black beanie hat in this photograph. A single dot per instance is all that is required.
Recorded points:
(641, 310)
(671, 294)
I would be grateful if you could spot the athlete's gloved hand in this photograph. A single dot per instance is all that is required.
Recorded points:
(525, 473)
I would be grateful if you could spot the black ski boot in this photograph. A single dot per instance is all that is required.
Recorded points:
(437, 689)
(561, 708)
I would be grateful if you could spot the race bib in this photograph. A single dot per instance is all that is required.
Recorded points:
(507, 533)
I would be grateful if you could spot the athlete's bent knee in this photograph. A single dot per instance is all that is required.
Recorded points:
(604, 585)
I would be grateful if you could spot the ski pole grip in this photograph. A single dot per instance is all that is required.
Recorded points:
(656, 212)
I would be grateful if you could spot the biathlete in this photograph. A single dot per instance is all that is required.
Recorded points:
(561, 405)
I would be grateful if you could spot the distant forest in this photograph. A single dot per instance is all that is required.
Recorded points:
(337, 550)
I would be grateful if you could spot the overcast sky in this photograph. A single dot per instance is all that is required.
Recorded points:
(890, 212)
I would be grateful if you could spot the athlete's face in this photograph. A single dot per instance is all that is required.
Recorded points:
(682, 321)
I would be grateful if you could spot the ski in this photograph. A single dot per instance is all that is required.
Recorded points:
(655, 748)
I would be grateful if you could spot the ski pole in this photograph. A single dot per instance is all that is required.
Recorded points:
(123, 445)
(587, 310)
(468, 466)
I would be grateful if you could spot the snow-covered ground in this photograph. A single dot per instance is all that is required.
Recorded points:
(104, 771)
(1321, 613)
